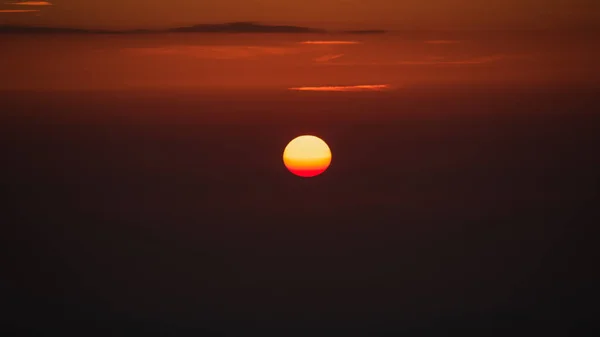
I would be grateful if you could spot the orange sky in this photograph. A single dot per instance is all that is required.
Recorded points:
(351, 14)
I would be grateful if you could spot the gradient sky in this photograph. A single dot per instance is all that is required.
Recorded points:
(351, 14)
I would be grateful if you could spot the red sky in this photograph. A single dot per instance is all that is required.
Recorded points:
(351, 14)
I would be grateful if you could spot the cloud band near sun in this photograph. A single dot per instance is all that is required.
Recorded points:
(330, 42)
(364, 87)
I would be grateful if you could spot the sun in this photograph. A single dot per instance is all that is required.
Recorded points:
(307, 156)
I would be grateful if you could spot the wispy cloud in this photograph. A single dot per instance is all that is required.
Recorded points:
(18, 10)
(471, 61)
(29, 3)
(328, 57)
(364, 87)
(432, 61)
(330, 42)
(214, 52)
(442, 41)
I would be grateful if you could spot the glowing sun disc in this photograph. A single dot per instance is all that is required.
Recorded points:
(307, 156)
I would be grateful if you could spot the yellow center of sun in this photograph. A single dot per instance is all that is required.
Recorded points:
(307, 156)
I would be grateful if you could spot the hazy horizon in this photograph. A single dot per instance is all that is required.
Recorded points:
(163, 213)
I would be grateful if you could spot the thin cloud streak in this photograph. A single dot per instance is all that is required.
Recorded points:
(432, 62)
(473, 61)
(330, 42)
(214, 52)
(442, 42)
(328, 57)
(18, 10)
(29, 3)
(364, 87)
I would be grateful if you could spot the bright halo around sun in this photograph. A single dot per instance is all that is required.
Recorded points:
(307, 156)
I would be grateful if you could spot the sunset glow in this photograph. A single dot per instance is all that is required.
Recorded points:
(307, 156)
(365, 87)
